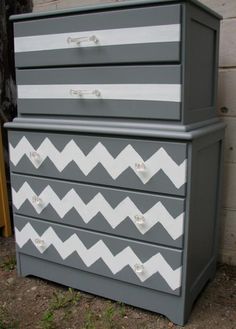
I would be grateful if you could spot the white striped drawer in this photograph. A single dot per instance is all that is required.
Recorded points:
(150, 92)
(129, 35)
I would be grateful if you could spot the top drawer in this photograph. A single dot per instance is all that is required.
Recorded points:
(149, 34)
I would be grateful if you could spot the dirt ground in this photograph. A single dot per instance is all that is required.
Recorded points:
(34, 303)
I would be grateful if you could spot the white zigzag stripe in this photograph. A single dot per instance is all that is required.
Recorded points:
(100, 251)
(126, 208)
(160, 160)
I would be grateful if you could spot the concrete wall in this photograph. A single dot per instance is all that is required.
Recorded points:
(226, 105)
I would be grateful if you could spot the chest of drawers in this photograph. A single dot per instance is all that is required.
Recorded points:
(116, 152)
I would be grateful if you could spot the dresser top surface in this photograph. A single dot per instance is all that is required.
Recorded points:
(107, 6)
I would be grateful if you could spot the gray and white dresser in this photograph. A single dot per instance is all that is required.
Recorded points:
(116, 153)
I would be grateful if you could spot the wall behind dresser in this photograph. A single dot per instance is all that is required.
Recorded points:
(227, 107)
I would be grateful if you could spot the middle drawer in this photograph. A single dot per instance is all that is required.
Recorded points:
(142, 216)
(150, 92)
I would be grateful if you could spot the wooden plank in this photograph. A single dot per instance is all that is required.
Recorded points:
(63, 4)
(48, 5)
(45, 7)
(4, 206)
(228, 43)
(229, 186)
(226, 92)
(230, 139)
(226, 8)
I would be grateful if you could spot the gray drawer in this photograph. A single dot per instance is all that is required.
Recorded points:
(122, 36)
(139, 263)
(147, 217)
(150, 92)
(147, 165)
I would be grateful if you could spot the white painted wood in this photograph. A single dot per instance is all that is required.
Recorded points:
(227, 256)
(64, 4)
(43, 7)
(144, 92)
(226, 8)
(229, 186)
(230, 139)
(226, 92)
(228, 43)
(228, 230)
(109, 37)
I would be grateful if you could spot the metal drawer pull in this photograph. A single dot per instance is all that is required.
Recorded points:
(139, 219)
(78, 40)
(81, 93)
(40, 243)
(140, 166)
(138, 268)
(36, 200)
(35, 157)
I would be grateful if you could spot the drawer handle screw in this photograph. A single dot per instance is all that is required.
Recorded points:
(81, 93)
(35, 156)
(140, 167)
(36, 200)
(79, 40)
(40, 243)
(138, 268)
(139, 219)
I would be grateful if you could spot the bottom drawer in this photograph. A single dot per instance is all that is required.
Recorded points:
(138, 263)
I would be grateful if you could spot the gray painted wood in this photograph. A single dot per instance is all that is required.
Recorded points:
(159, 182)
(159, 233)
(197, 137)
(101, 107)
(143, 251)
(97, 55)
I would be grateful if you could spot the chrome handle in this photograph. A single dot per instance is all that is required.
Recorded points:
(35, 157)
(79, 40)
(81, 93)
(140, 166)
(139, 219)
(138, 268)
(40, 243)
(36, 200)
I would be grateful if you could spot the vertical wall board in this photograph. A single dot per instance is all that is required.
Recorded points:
(226, 8)
(229, 187)
(230, 139)
(228, 43)
(226, 92)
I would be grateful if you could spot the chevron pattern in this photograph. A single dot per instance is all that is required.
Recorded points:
(127, 158)
(126, 208)
(99, 250)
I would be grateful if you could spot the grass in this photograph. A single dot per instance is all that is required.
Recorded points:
(89, 320)
(61, 300)
(108, 316)
(6, 321)
(47, 321)
(9, 264)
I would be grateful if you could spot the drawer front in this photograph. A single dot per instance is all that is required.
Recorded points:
(135, 164)
(139, 263)
(151, 92)
(131, 35)
(140, 216)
